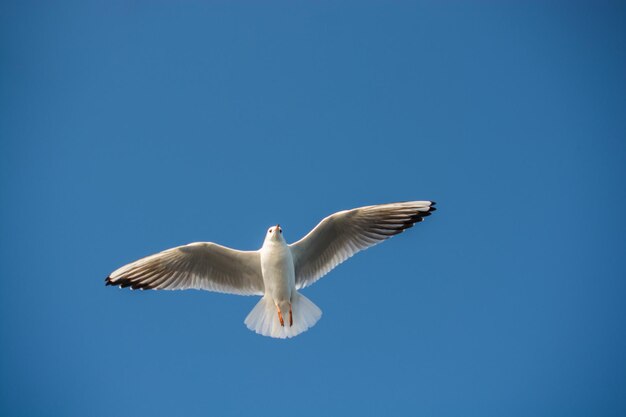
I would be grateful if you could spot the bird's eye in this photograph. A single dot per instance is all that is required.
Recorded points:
(270, 230)
(280, 230)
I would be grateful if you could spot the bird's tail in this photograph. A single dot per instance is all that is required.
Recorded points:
(263, 318)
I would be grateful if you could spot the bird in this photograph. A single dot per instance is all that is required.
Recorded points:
(278, 270)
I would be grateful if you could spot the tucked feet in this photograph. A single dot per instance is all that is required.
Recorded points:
(280, 317)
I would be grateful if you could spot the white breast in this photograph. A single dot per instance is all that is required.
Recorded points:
(278, 271)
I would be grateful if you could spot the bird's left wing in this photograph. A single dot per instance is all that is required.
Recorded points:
(345, 233)
(202, 265)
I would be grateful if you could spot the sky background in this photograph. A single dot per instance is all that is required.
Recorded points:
(129, 127)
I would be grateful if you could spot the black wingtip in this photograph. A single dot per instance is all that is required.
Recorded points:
(432, 203)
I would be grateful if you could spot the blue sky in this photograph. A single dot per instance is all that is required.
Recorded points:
(130, 127)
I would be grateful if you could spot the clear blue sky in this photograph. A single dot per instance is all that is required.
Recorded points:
(130, 127)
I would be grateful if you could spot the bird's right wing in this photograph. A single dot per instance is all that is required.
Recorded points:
(203, 265)
(345, 233)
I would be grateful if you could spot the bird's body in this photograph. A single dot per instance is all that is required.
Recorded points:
(276, 271)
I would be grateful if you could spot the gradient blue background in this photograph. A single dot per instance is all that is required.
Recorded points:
(130, 127)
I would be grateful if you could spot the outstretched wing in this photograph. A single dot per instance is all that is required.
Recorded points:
(202, 265)
(345, 233)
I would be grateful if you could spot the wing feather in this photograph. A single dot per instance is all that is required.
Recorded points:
(343, 234)
(202, 265)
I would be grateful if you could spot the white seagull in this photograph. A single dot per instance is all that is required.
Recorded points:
(276, 271)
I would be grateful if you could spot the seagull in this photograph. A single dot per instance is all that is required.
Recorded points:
(276, 271)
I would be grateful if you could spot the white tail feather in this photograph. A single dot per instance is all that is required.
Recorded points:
(263, 318)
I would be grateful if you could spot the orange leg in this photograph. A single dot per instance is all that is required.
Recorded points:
(290, 316)
(280, 317)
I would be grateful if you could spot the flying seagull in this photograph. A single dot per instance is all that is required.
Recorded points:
(276, 271)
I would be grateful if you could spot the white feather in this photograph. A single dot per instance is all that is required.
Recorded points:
(263, 319)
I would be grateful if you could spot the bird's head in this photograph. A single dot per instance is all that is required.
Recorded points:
(274, 233)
